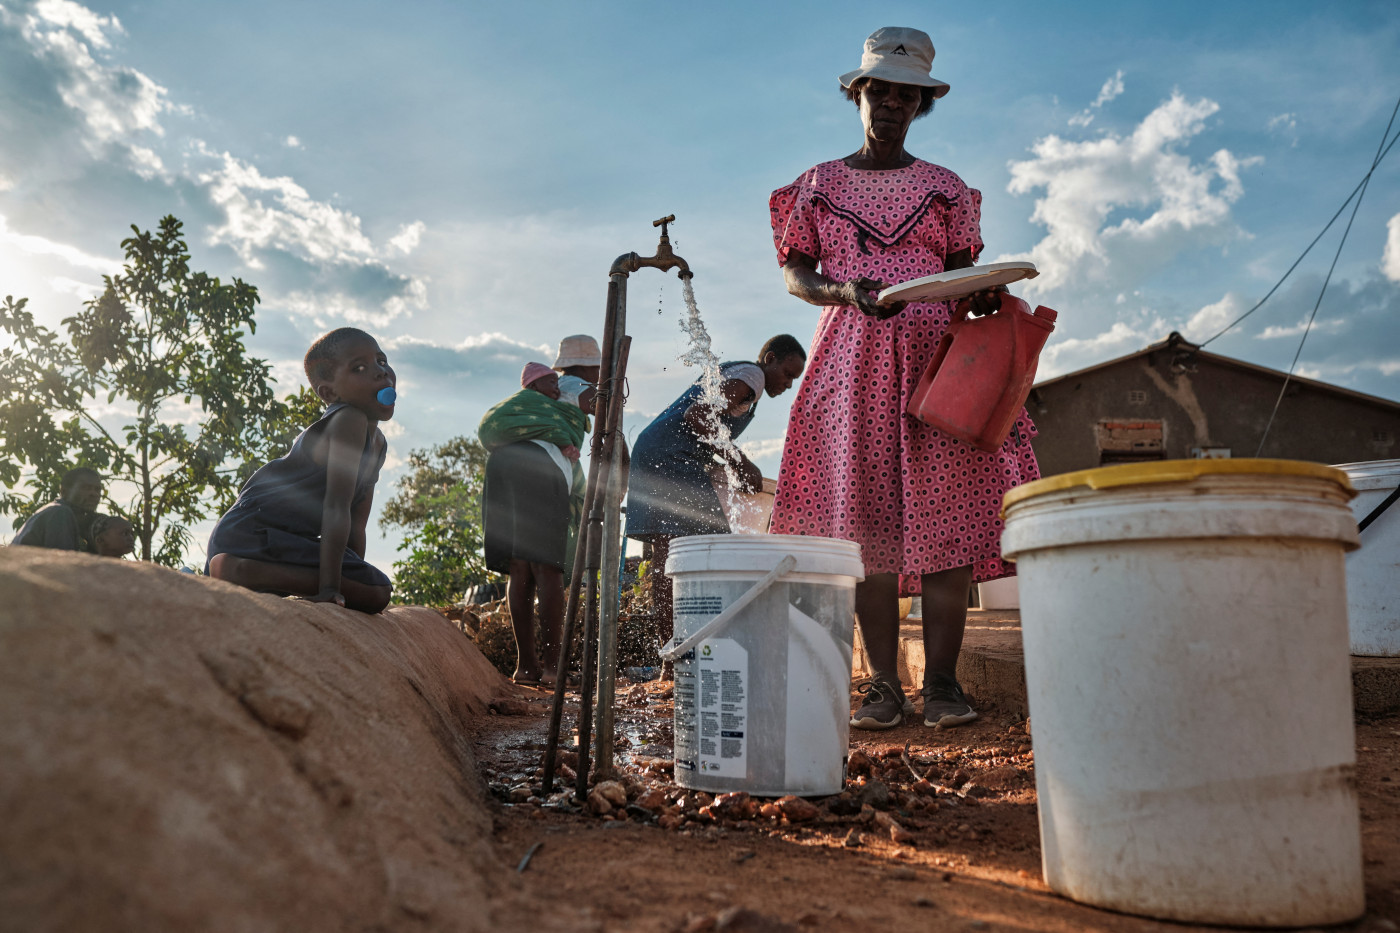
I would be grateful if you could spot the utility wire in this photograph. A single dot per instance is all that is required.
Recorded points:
(1381, 150)
(1360, 186)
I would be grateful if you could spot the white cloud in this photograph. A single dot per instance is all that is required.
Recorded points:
(408, 237)
(62, 285)
(1111, 89)
(145, 163)
(1275, 331)
(767, 447)
(291, 142)
(492, 344)
(1176, 203)
(66, 14)
(1208, 321)
(39, 246)
(277, 213)
(115, 102)
(1390, 256)
(329, 308)
(1071, 353)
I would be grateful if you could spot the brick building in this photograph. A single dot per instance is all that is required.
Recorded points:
(1174, 400)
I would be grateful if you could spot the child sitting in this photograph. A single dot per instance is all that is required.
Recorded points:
(112, 536)
(298, 527)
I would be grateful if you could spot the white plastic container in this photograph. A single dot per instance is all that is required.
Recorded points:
(1373, 573)
(748, 513)
(999, 594)
(1187, 670)
(761, 700)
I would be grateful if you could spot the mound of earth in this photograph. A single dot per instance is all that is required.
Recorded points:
(182, 754)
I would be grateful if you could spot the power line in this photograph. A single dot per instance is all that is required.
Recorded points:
(1381, 150)
(1360, 186)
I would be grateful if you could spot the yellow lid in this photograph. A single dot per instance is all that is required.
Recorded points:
(1174, 471)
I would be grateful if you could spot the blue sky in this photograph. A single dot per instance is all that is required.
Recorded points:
(457, 177)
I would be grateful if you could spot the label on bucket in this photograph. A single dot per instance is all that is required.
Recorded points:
(719, 699)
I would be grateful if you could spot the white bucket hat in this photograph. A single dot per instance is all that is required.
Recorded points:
(899, 55)
(578, 350)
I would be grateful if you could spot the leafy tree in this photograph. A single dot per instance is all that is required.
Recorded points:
(161, 349)
(439, 503)
(294, 414)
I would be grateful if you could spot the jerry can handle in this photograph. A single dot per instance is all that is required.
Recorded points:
(962, 308)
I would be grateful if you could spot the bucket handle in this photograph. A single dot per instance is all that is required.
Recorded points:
(724, 618)
(1379, 510)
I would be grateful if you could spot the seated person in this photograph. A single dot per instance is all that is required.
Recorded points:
(298, 527)
(112, 536)
(64, 523)
(672, 494)
(531, 505)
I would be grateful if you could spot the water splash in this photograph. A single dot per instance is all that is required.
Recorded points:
(742, 510)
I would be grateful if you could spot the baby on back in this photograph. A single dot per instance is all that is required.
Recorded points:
(298, 526)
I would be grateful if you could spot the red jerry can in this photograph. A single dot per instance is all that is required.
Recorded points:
(982, 372)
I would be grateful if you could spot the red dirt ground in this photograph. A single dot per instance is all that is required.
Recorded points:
(969, 858)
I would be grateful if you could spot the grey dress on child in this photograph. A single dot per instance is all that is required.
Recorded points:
(277, 517)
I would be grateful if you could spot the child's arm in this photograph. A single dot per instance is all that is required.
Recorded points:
(345, 437)
(359, 519)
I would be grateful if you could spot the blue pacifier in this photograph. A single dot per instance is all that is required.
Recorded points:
(386, 395)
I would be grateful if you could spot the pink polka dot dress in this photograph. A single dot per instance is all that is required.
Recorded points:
(855, 465)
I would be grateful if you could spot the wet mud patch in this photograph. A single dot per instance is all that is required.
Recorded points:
(935, 828)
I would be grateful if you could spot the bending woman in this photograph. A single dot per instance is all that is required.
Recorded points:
(671, 491)
(919, 503)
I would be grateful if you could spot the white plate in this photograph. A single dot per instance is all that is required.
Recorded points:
(959, 283)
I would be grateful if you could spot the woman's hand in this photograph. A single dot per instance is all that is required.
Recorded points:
(805, 282)
(325, 596)
(570, 452)
(984, 302)
(863, 295)
(750, 476)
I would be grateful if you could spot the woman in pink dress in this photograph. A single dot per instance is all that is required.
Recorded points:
(921, 504)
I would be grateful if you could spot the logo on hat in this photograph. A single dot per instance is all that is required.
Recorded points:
(899, 50)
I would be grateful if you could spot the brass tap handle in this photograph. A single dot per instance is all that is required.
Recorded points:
(669, 219)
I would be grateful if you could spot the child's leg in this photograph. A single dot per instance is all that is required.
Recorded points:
(267, 577)
(364, 597)
(549, 582)
(521, 596)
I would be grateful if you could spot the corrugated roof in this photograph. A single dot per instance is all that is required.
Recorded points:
(1177, 342)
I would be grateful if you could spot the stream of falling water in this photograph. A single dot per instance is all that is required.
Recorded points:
(741, 509)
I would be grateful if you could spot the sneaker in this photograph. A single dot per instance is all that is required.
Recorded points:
(885, 705)
(944, 702)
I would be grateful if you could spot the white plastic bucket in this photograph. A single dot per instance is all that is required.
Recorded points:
(748, 513)
(1373, 573)
(999, 594)
(762, 698)
(1187, 670)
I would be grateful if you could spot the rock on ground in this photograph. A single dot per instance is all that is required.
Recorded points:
(182, 754)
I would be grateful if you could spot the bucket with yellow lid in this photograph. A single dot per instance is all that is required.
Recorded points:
(1188, 673)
